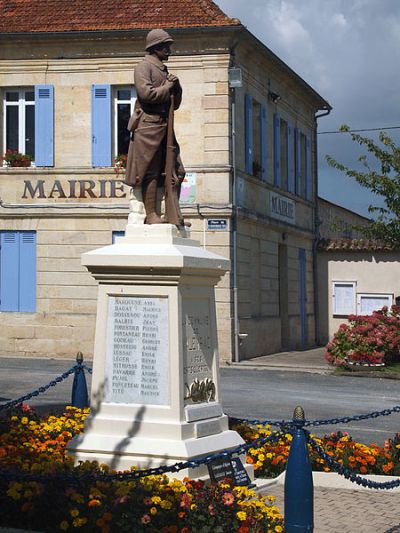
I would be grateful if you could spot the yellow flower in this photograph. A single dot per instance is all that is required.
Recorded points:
(24, 420)
(64, 525)
(241, 515)
(193, 507)
(156, 499)
(165, 504)
(74, 513)
(278, 529)
(153, 510)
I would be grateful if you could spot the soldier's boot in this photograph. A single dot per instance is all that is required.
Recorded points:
(150, 203)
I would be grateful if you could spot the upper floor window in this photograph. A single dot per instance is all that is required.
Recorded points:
(303, 171)
(111, 110)
(28, 123)
(19, 120)
(255, 138)
(124, 101)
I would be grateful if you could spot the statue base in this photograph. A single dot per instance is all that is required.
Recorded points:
(155, 396)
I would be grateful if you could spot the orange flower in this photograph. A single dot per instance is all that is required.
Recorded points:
(388, 467)
(363, 469)
(94, 503)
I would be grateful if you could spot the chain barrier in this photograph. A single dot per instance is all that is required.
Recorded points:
(348, 474)
(317, 423)
(40, 390)
(137, 474)
(87, 368)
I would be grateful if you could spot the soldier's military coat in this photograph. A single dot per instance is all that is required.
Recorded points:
(148, 123)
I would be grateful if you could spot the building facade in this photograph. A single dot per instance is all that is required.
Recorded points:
(246, 128)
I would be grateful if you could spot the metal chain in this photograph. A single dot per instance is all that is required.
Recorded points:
(348, 474)
(137, 474)
(40, 390)
(255, 422)
(316, 423)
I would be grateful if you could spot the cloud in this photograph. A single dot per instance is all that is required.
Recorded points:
(349, 51)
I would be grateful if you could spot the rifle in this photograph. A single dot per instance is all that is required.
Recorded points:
(173, 213)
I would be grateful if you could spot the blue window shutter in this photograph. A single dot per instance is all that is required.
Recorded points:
(277, 150)
(101, 125)
(308, 170)
(263, 142)
(248, 134)
(44, 125)
(289, 145)
(297, 163)
(27, 271)
(303, 296)
(9, 271)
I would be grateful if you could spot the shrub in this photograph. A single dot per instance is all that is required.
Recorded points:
(368, 340)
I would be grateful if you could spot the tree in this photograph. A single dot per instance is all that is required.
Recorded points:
(384, 182)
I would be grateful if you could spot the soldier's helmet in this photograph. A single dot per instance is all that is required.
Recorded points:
(158, 36)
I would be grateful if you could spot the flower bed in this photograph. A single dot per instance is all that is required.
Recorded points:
(150, 504)
(367, 340)
(270, 460)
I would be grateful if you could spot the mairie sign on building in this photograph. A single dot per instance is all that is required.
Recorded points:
(282, 208)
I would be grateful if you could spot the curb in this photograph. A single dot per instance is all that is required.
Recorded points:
(329, 480)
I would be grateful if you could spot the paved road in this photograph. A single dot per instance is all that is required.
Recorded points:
(247, 393)
(267, 394)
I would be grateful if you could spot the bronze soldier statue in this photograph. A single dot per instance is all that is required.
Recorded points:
(153, 156)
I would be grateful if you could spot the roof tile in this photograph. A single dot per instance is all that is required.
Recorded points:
(25, 16)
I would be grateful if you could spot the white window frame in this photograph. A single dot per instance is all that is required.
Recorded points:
(131, 101)
(21, 104)
(343, 311)
(388, 296)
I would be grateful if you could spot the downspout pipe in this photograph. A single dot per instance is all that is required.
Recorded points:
(316, 226)
(234, 277)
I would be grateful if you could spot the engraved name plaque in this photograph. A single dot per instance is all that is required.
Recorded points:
(137, 363)
(198, 352)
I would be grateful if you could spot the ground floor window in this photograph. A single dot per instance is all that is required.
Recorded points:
(18, 271)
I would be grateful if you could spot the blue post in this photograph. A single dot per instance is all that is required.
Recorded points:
(299, 490)
(80, 397)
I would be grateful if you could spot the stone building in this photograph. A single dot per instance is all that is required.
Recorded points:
(355, 275)
(247, 130)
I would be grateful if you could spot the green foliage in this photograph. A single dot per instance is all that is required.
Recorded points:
(381, 178)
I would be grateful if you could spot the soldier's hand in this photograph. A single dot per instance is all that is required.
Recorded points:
(173, 79)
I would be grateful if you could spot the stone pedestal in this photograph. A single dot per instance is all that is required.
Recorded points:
(155, 390)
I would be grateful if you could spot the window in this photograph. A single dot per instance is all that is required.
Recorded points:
(124, 101)
(255, 138)
(111, 110)
(283, 154)
(116, 234)
(19, 120)
(18, 271)
(303, 170)
(368, 303)
(344, 298)
(28, 123)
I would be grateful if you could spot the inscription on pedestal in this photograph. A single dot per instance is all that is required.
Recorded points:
(137, 362)
(198, 352)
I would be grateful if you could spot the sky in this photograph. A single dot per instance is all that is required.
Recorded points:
(349, 52)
